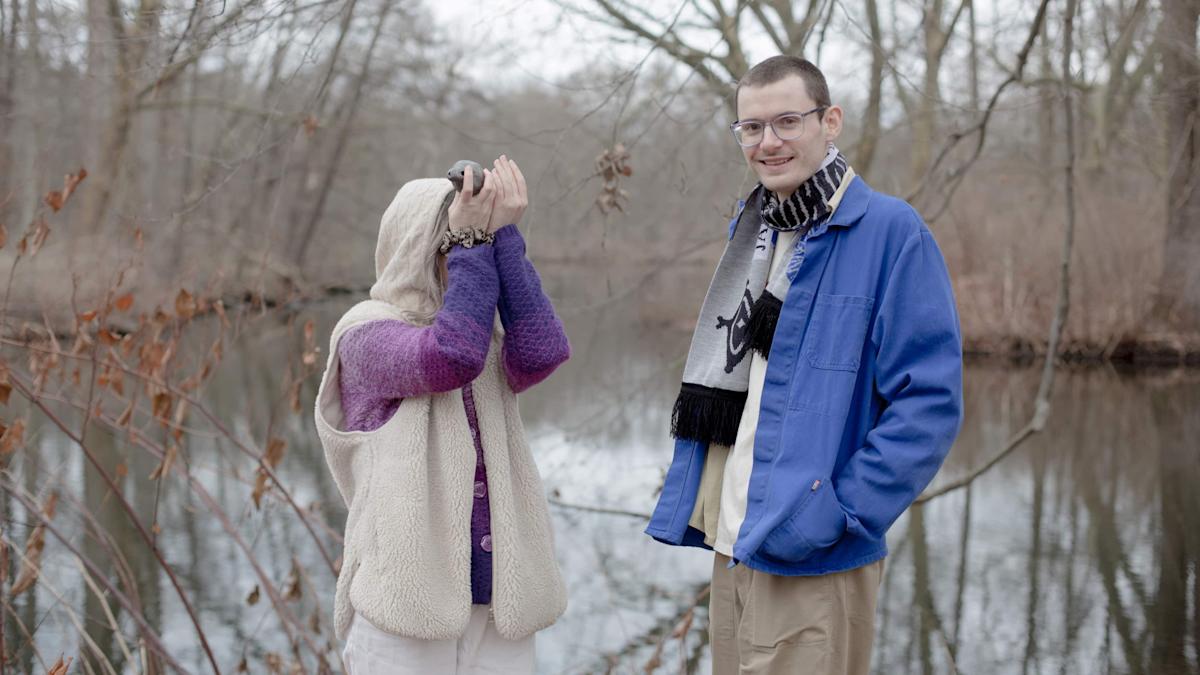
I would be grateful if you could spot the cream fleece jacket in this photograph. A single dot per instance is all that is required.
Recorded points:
(408, 484)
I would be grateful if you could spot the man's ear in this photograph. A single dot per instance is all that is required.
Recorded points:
(832, 123)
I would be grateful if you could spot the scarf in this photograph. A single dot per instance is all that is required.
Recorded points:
(741, 309)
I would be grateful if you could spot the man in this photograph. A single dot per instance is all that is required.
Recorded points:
(822, 391)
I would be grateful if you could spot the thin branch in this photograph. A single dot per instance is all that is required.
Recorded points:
(597, 509)
(949, 31)
(768, 27)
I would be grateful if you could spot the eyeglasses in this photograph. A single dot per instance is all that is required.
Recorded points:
(787, 126)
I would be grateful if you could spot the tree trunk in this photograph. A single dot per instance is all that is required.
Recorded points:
(973, 58)
(1047, 93)
(1178, 302)
(1177, 458)
(8, 68)
(872, 125)
(925, 121)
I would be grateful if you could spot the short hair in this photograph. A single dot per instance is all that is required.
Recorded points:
(777, 68)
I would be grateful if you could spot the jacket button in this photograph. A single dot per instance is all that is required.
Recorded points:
(480, 489)
(486, 543)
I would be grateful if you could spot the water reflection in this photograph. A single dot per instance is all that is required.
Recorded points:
(1083, 549)
(1078, 554)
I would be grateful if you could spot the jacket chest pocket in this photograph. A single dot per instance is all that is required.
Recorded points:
(837, 331)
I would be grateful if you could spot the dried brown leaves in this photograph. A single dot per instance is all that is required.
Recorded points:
(56, 199)
(612, 165)
(61, 667)
(39, 229)
(34, 237)
(11, 436)
(165, 465)
(271, 458)
(5, 386)
(31, 561)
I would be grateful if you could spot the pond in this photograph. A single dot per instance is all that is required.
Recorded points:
(1079, 553)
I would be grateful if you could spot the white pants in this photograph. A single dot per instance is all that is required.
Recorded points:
(481, 649)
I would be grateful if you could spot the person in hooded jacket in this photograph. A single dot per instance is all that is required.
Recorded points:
(449, 564)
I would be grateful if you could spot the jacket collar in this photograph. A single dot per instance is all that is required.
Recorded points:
(850, 210)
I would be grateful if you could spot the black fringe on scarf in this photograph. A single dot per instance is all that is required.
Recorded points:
(764, 315)
(707, 415)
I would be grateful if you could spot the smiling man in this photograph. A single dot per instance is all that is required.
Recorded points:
(822, 391)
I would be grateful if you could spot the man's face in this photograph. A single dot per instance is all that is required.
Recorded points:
(782, 166)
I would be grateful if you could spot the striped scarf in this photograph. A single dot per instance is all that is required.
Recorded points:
(809, 204)
(742, 306)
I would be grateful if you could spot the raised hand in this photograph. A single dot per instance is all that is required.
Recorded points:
(511, 196)
(473, 211)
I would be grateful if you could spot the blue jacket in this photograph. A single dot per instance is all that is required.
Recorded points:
(862, 398)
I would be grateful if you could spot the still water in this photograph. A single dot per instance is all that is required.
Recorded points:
(1078, 554)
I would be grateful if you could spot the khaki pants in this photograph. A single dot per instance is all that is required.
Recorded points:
(763, 623)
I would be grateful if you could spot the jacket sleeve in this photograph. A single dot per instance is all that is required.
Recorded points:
(919, 377)
(391, 359)
(535, 343)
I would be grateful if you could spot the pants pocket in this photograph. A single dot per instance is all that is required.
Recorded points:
(790, 613)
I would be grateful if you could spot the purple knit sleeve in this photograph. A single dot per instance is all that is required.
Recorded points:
(534, 340)
(383, 362)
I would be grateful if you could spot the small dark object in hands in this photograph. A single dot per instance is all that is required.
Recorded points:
(455, 174)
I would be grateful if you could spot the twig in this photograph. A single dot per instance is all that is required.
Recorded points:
(112, 619)
(597, 509)
(9, 610)
(682, 626)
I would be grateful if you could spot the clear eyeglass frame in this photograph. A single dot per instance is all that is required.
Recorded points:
(739, 128)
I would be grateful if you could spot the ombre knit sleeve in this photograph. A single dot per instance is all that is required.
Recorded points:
(383, 362)
(534, 340)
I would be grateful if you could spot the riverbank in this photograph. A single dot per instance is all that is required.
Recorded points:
(1150, 349)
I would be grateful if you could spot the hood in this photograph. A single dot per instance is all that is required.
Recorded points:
(406, 238)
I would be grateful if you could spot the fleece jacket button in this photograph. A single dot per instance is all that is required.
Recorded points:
(486, 543)
(480, 489)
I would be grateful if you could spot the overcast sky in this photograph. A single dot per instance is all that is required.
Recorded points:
(531, 40)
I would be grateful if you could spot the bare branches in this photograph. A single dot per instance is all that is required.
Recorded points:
(23, 388)
(622, 18)
(1041, 401)
(148, 633)
(980, 128)
(176, 68)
